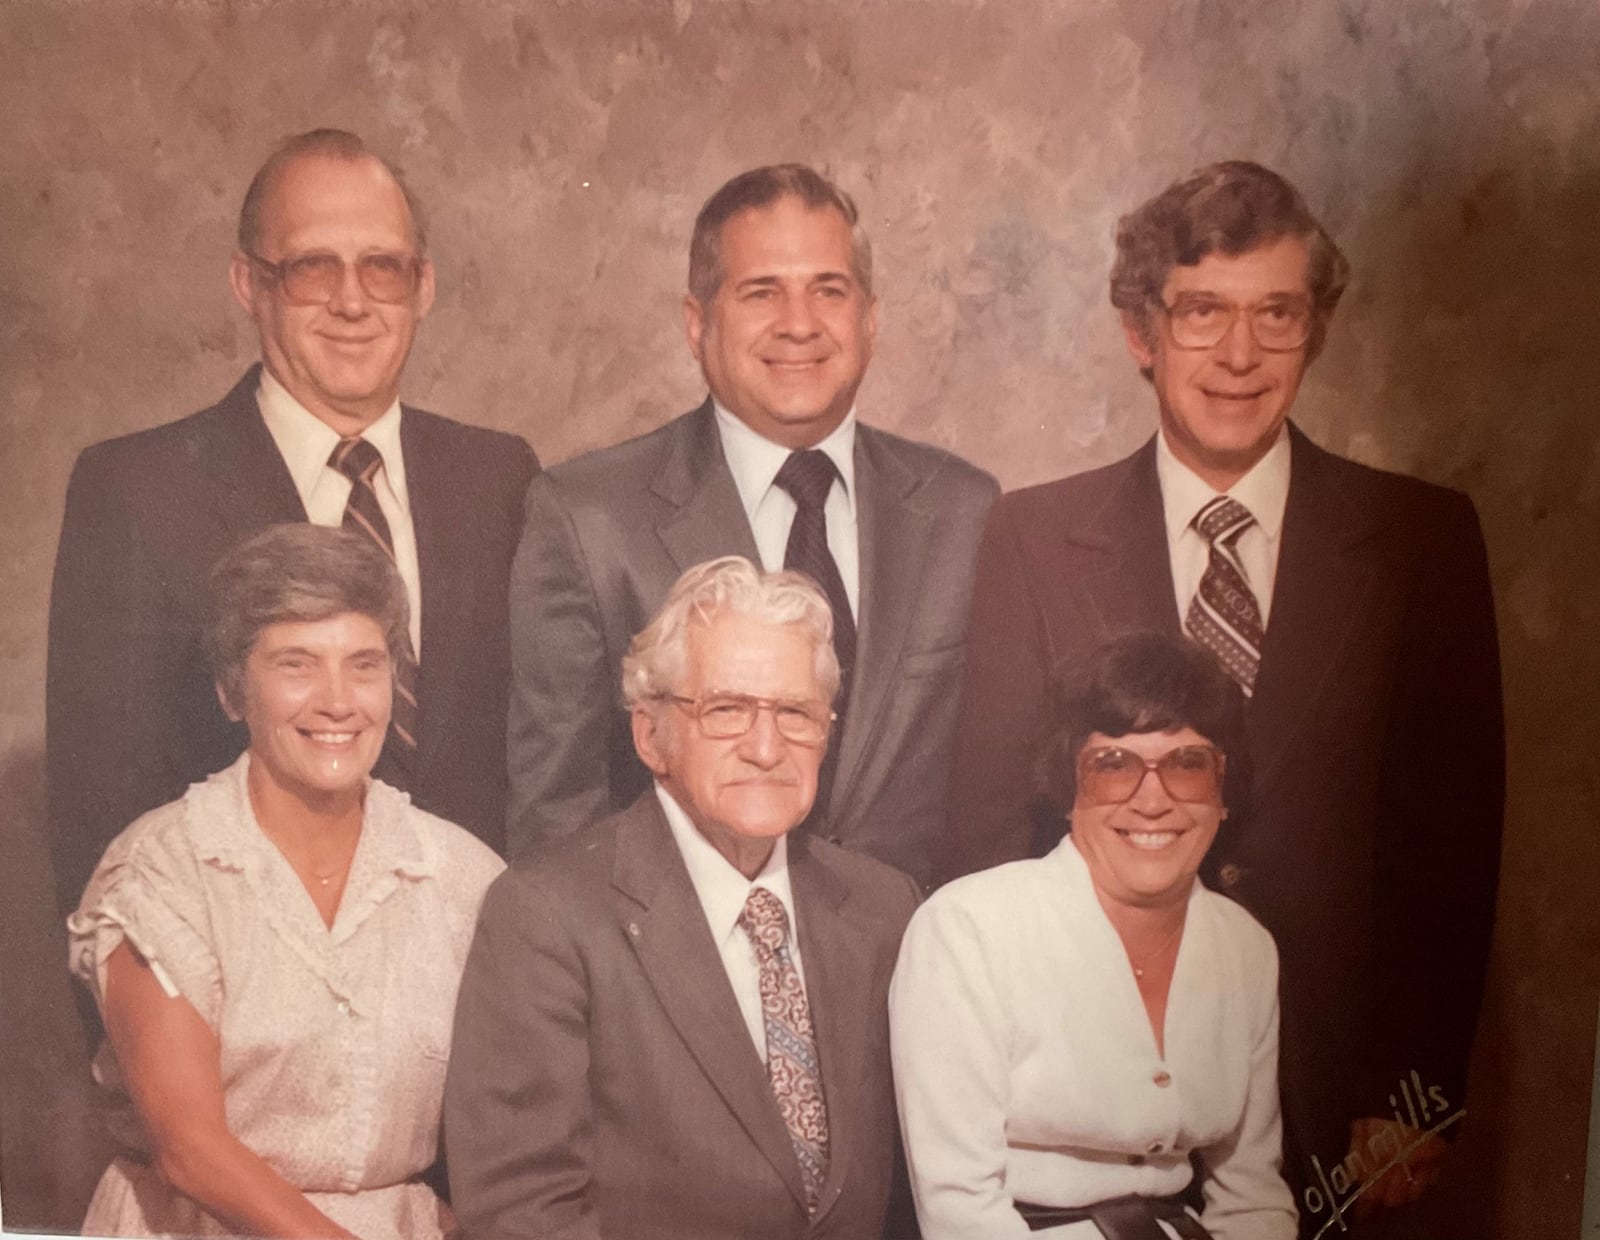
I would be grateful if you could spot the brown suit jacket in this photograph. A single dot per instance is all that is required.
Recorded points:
(1365, 834)
(602, 1080)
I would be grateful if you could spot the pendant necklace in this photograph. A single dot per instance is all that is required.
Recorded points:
(1150, 957)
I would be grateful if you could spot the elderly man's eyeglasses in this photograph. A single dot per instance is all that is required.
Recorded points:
(311, 279)
(1110, 775)
(1278, 325)
(724, 716)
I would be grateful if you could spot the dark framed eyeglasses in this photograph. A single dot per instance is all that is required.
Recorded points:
(310, 279)
(1110, 774)
(724, 716)
(1278, 324)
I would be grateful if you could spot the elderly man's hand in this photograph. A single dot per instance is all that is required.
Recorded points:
(1422, 1159)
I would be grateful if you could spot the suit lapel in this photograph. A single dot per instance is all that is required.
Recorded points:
(894, 536)
(708, 519)
(839, 993)
(670, 938)
(246, 484)
(1322, 586)
(1129, 584)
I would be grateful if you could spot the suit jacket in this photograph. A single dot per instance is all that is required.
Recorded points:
(1365, 834)
(606, 537)
(602, 1080)
(132, 718)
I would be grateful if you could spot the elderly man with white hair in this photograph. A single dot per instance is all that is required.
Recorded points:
(675, 1026)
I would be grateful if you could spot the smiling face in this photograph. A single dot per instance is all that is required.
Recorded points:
(316, 698)
(340, 358)
(744, 792)
(1222, 407)
(786, 339)
(1144, 852)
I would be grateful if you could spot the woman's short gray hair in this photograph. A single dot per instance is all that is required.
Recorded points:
(654, 664)
(294, 574)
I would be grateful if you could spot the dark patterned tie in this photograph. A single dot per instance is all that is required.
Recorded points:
(360, 462)
(808, 476)
(792, 1067)
(1223, 616)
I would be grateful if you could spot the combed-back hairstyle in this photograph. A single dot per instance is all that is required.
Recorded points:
(297, 574)
(1227, 208)
(1139, 682)
(655, 663)
(330, 144)
(761, 187)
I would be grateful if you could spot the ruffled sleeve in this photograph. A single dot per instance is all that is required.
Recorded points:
(149, 890)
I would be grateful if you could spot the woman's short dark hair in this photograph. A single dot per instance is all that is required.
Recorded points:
(289, 574)
(1140, 682)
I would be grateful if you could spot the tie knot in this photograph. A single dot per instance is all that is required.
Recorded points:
(356, 459)
(1222, 520)
(808, 476)
(765, 920)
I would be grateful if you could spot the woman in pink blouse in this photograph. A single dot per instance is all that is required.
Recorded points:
(276, 953)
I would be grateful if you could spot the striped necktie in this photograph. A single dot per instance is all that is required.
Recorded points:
(1223, 616)
(793, 1070)
(360, 462)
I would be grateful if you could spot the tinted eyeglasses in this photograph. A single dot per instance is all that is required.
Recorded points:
(1279, 324)
(311, 279)
(1110, 775)
(724, 716)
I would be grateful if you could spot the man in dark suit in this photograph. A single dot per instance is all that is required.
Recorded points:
(674, 1026)
(774, 467)
(332, 266)
(1353, 608)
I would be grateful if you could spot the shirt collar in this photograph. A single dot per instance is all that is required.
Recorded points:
(1264, 490)
(722, 889)
(305, 441)
(754, 460)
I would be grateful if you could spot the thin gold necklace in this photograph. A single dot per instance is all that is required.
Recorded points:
(1151, 956)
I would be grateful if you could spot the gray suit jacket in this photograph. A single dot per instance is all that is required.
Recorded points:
(607, 535)
(602, 1079)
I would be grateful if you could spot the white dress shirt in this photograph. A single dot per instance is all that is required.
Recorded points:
(1026, 1068)
(755, 461)
(723, 890)
(306, 442)
(1264, 491)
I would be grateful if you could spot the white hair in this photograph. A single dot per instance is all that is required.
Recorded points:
(654, 664)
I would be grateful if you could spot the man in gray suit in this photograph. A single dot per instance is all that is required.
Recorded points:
(675, 1027)
(775, 467)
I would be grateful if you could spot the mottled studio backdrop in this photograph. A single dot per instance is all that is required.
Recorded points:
(1452, 145)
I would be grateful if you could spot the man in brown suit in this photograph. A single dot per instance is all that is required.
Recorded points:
(674, 1026)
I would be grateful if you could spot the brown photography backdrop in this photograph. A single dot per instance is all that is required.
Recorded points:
(1453, 146)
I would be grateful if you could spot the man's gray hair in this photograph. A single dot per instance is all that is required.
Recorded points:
(296, 574)
(338, 144)
(762, 187)
(655, 663)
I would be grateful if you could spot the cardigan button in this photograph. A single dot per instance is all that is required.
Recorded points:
(1163, 1079)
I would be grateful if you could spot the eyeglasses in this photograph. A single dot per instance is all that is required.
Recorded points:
(311, 279)
(1110, 775)
(1278, 325)
(724, 716)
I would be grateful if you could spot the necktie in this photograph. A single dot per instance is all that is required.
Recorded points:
(1223, 615)
(792, 1068)
(808, 477)
(360, 462)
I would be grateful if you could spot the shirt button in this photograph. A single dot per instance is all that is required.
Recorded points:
(1155, 1147)
(1163, 1079)
(344, 1007)
(1229, 875)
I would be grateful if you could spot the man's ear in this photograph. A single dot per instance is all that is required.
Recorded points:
(649, 740)
(425, 289)
(1140, 348)
(241, 279)
(694, 324)
(234, 714)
